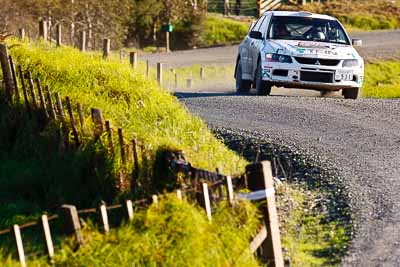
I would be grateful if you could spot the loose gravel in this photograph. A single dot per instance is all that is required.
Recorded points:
(357, 141)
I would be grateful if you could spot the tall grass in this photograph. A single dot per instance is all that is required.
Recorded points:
(36, 177)
(170, 233)
(127, 99)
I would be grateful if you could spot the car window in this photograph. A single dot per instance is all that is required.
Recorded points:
(258, 24)
(306, 28)
(264, 26)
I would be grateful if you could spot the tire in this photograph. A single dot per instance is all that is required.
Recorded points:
(242, 86)
(262, 87)
(351, 93)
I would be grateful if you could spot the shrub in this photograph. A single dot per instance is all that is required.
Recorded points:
(219, 30)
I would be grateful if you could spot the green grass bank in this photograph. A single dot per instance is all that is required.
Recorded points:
(219, 30)
(382, 80)
(36, 177)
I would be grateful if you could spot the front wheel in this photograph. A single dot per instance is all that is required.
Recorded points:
(262, 87)
(351, 93)
(242, 86)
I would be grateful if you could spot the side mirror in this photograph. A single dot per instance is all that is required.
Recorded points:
(256, 35)
(356, 42)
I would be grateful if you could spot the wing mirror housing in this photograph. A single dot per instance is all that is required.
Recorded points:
(356, 42)
(256, 35)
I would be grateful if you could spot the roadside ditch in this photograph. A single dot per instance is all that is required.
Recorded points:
(315, 219)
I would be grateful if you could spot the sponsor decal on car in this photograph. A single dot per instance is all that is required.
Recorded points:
(312, 45)
(266, 73)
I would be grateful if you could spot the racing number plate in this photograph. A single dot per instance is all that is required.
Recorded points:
(344, 75)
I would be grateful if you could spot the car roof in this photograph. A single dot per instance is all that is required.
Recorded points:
(298, 14)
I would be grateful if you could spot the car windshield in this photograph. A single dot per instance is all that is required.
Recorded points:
(308, 29)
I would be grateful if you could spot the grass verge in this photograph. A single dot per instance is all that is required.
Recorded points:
(382, 80)
(309, 237)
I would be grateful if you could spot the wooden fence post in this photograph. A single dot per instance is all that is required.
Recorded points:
(122, 145)
(176, 81)
(42, 100)
(147, 68)
(63, 133)
(109, 136)
(73, 121)
(60, 108)
(133, 59)
(51, 104)
(21, 33)
(14, 76)
(97, 118)
(106, 48)
(32, 89)
(207, 203)
(179, 194)
(260, 178)
(59, 34)
(159, 73)
(7, 75)
(202, 76)
(257, 156)
(19, 244)
(24, 90)
(229, 189)
(43, 29)
(135, 156)
(47, 236)
(72, 225)
(82, 44)
(155, 199)
(104, 218)
(129, 210)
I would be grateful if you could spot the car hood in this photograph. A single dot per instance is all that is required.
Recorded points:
(311, 49)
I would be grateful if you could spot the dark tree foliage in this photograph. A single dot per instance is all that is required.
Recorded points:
(148, 17)
(129, 22)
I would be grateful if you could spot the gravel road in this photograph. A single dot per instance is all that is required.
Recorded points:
(379, 44)
(359, 140)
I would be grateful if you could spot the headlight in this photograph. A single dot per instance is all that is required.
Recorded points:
(350, 63)
(278, 58)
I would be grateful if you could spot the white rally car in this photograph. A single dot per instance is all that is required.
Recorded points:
(299, 50)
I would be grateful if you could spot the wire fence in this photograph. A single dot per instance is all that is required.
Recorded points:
(205, 188)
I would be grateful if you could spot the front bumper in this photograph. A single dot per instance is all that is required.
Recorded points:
(315, 77)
